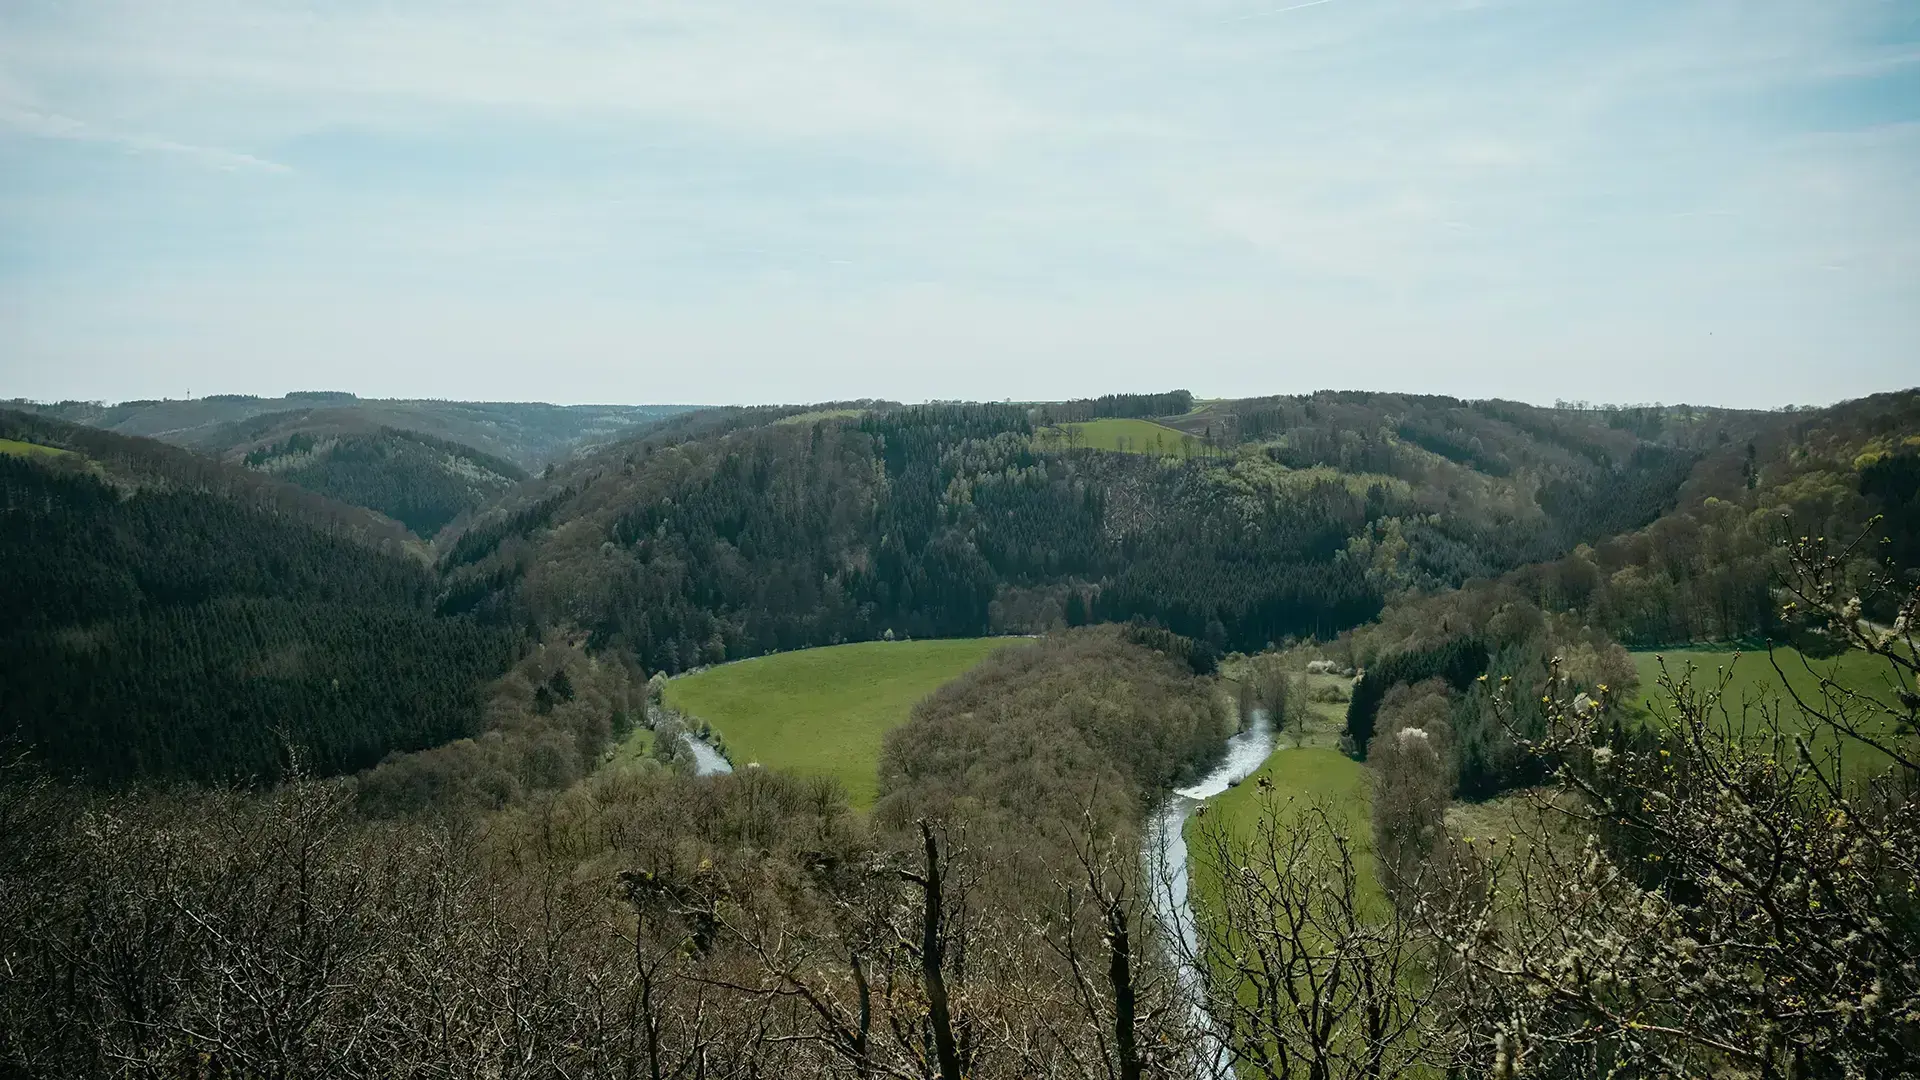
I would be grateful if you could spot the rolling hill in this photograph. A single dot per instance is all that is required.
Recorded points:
(416, 479)
(722, 535)
(529, 434)
(171, 616)
(1707, 569)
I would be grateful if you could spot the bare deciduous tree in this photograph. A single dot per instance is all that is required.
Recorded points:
(1308, 972)
(1743, 900)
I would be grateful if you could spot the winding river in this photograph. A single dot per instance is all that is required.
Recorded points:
(1165, 856)
(1164, 853)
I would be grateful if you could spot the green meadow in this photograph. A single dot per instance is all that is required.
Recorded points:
(823, 712)
(637, 746)
(1751, 677)
(818, 415)
(1302, 779)
(1751, 682)
(27, 449)
(1125, 435)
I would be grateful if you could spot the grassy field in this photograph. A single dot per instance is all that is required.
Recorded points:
(1325, 720)
(1309, 775)
(1752, 680)
(818, 415)
(635, 747)
(1752, 677)
(1303, 778)
(824, 711)
(1323, 710)
(1128, 436)
(27, 449)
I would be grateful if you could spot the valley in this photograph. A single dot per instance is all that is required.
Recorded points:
(528, 433)
(1226, 697)
(1304, 540)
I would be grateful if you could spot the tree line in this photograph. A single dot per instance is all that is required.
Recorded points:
(1134, 406)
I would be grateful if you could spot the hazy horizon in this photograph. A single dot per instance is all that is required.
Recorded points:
(111, 401)
(723, 203)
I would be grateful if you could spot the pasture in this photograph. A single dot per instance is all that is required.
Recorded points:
(823, 712)
(1302, 778)
(817, 415)
(637, 746)
(1123, 435)
(1751, 683)
(1751, 677)
(27, 449)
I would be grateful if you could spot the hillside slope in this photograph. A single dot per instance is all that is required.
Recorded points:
(169, 616)
(1708, 570)
(692, 546)
(529, 434)
(421, 481)
(1527, 481)
(1845, 480)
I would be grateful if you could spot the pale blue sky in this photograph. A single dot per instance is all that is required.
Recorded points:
(717, 201)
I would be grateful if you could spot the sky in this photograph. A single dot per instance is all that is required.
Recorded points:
(713, 201)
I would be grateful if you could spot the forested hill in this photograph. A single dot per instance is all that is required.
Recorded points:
(529, 434)
(179, 615)
(1591, 472)
(957, 519)
(172, 616)
(1714, 568)
(421, 481)
(1708, 569)
(136, 463)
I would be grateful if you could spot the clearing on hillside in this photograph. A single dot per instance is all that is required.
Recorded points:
(1125, 435)
(818, 415)
(823, 712)
(27, 449)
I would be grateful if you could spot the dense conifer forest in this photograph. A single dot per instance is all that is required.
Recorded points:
(418, 480)
(193, 623)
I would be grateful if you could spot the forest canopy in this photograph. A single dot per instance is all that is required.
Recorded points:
(164, 626)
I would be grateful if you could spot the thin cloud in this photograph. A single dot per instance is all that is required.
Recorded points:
(1279, 10)
(55, 126)
(1500, 182)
